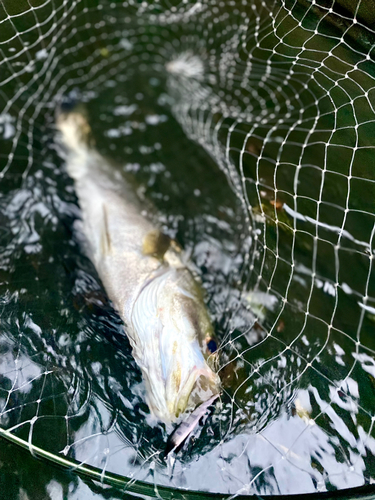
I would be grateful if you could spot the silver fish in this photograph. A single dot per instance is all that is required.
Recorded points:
(159, 300)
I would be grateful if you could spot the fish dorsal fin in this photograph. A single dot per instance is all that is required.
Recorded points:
(105, 239)
(156, 243)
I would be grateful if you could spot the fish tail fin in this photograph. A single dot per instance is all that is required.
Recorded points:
(74, 127)
(76, 137)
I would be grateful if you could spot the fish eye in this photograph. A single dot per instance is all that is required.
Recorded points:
(211, 346)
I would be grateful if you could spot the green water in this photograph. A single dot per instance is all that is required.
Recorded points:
(297, 408)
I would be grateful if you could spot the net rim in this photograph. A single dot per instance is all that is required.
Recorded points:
(127, 485)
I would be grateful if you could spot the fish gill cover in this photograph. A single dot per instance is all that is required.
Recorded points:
(250, 127)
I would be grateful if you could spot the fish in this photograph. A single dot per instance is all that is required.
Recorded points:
(143, 272)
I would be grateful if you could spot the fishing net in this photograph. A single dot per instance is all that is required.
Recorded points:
(250, 126)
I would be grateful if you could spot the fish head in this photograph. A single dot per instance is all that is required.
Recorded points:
(170, 324)
(188, 379)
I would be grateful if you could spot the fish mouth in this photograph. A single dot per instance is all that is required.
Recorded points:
(202, 384)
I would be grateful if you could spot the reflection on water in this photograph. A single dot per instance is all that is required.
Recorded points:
(277, 218)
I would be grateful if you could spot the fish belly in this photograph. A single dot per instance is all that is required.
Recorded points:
(115, 231)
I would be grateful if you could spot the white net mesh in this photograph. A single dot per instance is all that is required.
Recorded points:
(280, 94)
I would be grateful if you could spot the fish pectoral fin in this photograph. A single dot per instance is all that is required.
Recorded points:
(105, 239)
(156, 243)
